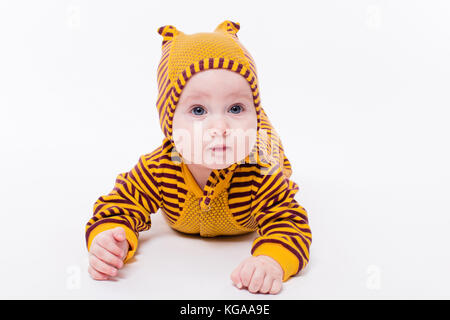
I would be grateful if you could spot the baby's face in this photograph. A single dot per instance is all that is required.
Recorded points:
(215, 109)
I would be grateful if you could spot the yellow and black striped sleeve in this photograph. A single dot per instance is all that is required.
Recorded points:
(283, 229)
(136, 194)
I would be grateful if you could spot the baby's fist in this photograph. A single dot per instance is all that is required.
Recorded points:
(259, 274)
(106, 254)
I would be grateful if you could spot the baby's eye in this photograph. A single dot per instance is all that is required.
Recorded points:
(236, 109)
(198, 111)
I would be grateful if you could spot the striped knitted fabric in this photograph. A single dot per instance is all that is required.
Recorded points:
(255, 194)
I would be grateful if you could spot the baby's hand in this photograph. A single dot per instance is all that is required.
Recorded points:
(259, 274)
(106, 254)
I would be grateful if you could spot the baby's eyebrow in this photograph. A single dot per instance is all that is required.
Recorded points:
(234, 94)
(197, 95)
(239, 94)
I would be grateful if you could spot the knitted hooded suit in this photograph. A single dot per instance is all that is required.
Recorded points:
(254, 194)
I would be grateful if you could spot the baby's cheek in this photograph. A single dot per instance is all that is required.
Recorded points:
(243, 143)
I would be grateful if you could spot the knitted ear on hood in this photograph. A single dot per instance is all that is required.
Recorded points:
(229, 27)
(183, 55)
(167, 32)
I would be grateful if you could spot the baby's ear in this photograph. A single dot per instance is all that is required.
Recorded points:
(168, 32)
(229, 26)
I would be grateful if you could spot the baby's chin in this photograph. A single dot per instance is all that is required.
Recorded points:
(217, 166)
(222, 162)
(218, 162)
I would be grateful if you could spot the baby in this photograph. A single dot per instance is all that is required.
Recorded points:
(220, 170)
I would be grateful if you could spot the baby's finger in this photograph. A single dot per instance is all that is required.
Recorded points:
(246, 273)
(101, 266)
(257, 280)
(124, 246)
(267, 284)
(119, 234)
(276, 286)
(106, 256)
(235, 275)
(109, 244)
(97, 275)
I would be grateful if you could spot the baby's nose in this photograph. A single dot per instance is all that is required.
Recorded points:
(219, 127)
(219, 131)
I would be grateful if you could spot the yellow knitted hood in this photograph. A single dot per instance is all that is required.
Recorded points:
(183, 55)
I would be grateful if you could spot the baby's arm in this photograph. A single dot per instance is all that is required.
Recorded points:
(284, 237)
(135, 196)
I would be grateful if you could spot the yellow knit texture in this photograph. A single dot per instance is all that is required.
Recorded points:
(190, 49)
(217, 220)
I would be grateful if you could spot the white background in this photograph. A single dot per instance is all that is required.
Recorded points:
(358, 91)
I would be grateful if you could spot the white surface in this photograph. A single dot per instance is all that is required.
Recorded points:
(358, 91)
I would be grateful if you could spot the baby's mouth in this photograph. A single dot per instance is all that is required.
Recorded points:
(219, 148)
